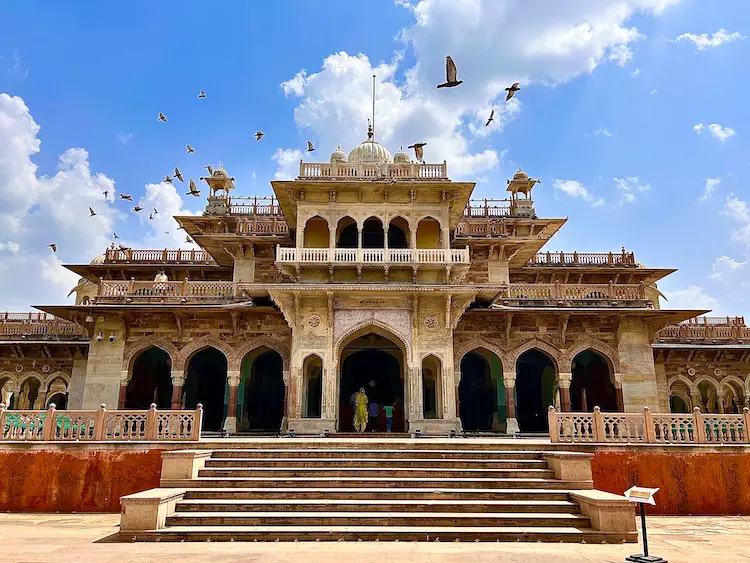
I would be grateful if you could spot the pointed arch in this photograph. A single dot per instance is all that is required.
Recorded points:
(733, 379)
(187, 352)
(282, 348)
(710, 380)
(32, 375)
(133, 349)
(378, 327)
(675, 378)
(56, 375)
(533, 344)
(608, 353)
(474, 343)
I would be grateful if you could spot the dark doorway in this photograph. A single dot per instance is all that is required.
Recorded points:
(535, 380)
(373, 235)
(60, 400)
(591, 385)
(206, 383)
(476, 395)
(371, 362)
(263, 394)
(312, 381)
(347, 233)
(151, 381)
(396, 236)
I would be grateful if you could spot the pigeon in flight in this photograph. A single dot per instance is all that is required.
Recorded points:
(114, 236)
(166, 232)
(210, 169)
(162, 117)
(137, 209)
(418, 151)
(187, 239)
(259, 135)
(91, 212)
(106, 194)
(151, 216)
(126, 196)
(167, 179)
(202, 94)
(155, 211)
(190, 150)
(193, 189)
(178, 174)
(310, 147)
(450, 74)
(53, 246)
(512, 90)
(491, 119)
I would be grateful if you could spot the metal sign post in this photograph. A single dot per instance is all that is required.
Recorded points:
(643, 496)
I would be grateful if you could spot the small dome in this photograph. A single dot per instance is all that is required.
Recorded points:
(401, 157)
(520, 175)
(98, 260)
(221, 173)
(338, 155)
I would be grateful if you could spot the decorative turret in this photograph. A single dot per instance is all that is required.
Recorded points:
(338, 156)
(219, 184)
(401, 157)
(522, 184)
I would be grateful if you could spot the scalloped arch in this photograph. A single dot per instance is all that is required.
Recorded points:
(133, 349)
(387, 331)
(473, 344)
(674, 379)
(187, 351)
(610, 355)
(535, 344)
(235, 362)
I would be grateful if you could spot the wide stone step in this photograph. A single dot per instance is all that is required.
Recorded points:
(388, 452)
(434, 519)
(380, 533)
(374, 493)
(437, 483)
(371, 462)
(375, 505)
(406, 472)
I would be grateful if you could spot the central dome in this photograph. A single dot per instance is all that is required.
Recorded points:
(370, 151)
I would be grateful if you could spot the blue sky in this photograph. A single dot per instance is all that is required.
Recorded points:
(607, 118)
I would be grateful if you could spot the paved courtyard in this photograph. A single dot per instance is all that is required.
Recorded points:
(81, 537)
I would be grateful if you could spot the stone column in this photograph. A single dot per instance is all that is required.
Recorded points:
(563, 380)
(449, 394)
(288, 392)
(446, 238)
(359, 237)
(620, 402)
(413, 237)
(123, 390)
(509, 379)
(720, 404)
(178, 380)
(230, 423)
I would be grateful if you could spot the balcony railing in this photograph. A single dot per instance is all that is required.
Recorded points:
(170, 291)
(715, 321)
(38, 326)
(372, 171)
(117, 256)
(576, 292)
(584, 259)
(261, 206)
(263, 226)
(371, 256)
(481, 228)
(488, 208)
(703, 333)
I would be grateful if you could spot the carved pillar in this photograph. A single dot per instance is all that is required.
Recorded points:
(509, 379)
(416, 401)
(288, 392)
(178, 380)
(720, 404)
(450, 409)
(331, 236)
(563, 381)
(413, 233)
(446, 242)
(359, 237)
(123, 390)
(230, 422)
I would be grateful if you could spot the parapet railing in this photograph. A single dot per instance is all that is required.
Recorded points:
(690, 332)
(101, 425)
(648, 428)
(22, 325)
(129, 256)
(584, 259)
(488, 208)
(148, 291)
(263, 226)
(265, 206)
(704, 320)
(372, 255)
(372, 171)
(574, 291)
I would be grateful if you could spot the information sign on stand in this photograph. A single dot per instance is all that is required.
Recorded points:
(643, 496)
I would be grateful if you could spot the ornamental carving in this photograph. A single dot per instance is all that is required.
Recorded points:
(430, 321)
(313, 321)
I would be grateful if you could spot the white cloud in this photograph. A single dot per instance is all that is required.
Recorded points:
(124, 138)
(652, 92)
(725, 268)
(600, 132)
(489, 41)
(691, 297)
(575, 189)
(164, 233)
(636, 72)
(11, 247)
(710, 188)
(703, 41)
(739, 211)
(716, 130)
(629, 188)
(287, 161)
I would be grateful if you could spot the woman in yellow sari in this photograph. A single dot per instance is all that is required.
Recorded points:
(360, 410)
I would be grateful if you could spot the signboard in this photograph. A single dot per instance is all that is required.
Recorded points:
(642, 495)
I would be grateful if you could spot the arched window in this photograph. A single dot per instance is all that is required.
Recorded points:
(316, 233)
(398, 233)
(312, 386)
(428, 233)
(432, 387)
(373, 235)
(346, 233)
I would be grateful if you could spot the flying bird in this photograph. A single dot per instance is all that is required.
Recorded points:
(126, 196)
(259, 135)
(310, 147)
(137, 209)
(91, 212)
(450, 74)
(178, 174)
(202, 94)
(106, 194)
(193, 189)
(114, 236)
(151, 216)
(155, 211)
(418, 151)
(512, 90)
(167, 179)
(187, 239)
(491, 119)
(209, 168)
(190, 150)
(162, 117)
(123, 247)
(53, 246)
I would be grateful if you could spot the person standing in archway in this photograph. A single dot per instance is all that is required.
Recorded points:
(360, 411)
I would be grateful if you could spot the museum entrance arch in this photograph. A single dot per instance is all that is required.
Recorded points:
(206, 383)
(151, 380)
(260, 399)
(375, 363)
(481, 392)
(535, 386)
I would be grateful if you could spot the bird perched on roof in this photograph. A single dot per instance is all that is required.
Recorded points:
(450, 74)
(162, 117)
(178, 174)
(190, 150)
(167, 179)
(259, 135)
(418, 151)
(53, 246)
(209, 168)
(137, 209)
(123, 247)
(187, 239)
(193, 189)
(512, 90)
(126, 196)
(202, 94)
(310, 147)
(91, 212)
(491, 119)
(180, 228)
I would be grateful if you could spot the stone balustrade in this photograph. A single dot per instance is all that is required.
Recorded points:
(100, 425)
(488, 208)
(575, 292)
(169, 291)
(38, 326)
(263, 226)
(649, 428)
(263, 206)
(129, 256)
(391, 256)
(584, 259)
(684, 332)
(372, 171)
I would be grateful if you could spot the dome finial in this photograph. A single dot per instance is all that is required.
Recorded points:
(369, 130)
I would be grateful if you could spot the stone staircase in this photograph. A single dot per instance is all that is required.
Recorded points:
(360, 490)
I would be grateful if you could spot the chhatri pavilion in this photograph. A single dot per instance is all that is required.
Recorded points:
(371, 271)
